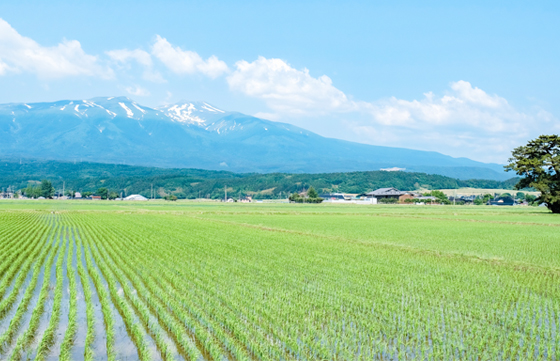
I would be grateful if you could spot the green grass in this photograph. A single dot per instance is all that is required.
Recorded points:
(304, 282)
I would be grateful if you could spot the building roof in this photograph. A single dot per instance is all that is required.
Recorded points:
(135, 197)
(332, 195)
(386, 192)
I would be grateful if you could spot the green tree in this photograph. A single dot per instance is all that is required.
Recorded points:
(113, 195)
(538, 163)
(520, 196)
(47, 189)
(295, 197)
(86, 194)
(102, 192)
(312, 193)
(530, 198)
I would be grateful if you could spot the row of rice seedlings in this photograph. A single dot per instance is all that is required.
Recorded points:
(90, 335)
(160, 309)
(212, 327)
(6, 338)
(293, 346)
(50, 333)
(132, 327)
(258, 343)
(11, 234)
(17, 223)
(245, 311)
(104, 299)
(26, 264)
(22, 252)
(13, 222)
(68, 341)
(26, 338)
(205, 331)
(253, 342)
(141, 309)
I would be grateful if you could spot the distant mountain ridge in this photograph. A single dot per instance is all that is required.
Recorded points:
(200, 135)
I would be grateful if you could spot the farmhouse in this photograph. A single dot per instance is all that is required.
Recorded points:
(502, 201)
(390, 193)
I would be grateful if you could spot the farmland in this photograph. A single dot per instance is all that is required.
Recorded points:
(210, 281)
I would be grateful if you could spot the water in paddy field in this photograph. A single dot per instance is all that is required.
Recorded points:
(64, 306)
(100, 339)
(5, 321)
(124, 347)
(31, 350)
(28, 311)
(81, 332)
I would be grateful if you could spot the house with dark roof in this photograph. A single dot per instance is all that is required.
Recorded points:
(390, 193)
(502, 201)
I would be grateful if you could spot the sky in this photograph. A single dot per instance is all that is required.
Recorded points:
(465, 78)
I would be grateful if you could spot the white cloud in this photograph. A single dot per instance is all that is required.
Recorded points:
(465, 106)
(286, 89)
(466, 121)
(187, 62)
(123, 57)
(137, 91)
(21, 54)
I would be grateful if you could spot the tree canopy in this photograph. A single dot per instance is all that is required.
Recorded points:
(538, 163)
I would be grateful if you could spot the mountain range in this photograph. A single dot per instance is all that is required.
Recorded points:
(200, 135)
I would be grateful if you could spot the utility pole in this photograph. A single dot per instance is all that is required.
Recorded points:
(63, 184)
(152, 192)
(225, 191)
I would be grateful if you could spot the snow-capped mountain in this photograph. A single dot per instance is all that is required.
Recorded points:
(199, 135)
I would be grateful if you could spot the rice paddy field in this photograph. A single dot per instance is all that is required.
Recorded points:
(209, 281)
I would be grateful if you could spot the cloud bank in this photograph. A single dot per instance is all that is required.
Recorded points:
(21, 54)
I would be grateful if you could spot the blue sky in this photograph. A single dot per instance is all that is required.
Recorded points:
(471, 79)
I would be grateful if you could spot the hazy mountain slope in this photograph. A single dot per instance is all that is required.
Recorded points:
(198, 135)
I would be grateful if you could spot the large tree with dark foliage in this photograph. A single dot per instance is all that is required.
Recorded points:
(538, 163)
(47, 189)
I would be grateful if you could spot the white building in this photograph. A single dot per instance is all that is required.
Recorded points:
(135, 197)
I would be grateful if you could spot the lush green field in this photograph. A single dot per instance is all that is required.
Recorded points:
(210, 281)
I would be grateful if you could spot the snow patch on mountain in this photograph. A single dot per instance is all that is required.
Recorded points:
(129, 112)
(140, 109)
(184, 114)
(211, 108)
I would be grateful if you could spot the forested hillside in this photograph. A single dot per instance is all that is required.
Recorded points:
(194, 183)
